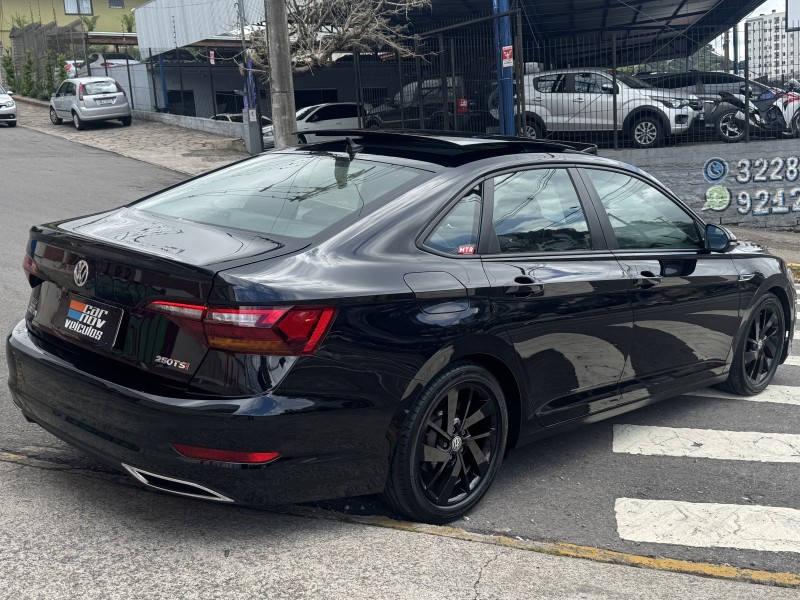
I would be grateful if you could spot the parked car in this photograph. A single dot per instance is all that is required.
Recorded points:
(574, 101)
(71, 67)
(86, 99)
(389, 314)
(100, 63)
(8, 108)
(332, 115)
(237, 118)
(705, 85)
(409, 109)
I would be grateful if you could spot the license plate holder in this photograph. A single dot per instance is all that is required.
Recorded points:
(90, 321)
(107, 101)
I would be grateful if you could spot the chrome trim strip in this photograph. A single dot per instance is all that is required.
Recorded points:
(140, 475)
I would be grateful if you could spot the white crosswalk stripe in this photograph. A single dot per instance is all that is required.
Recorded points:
(750, 527)
(779, 394)
(707, 443)
(707, 524)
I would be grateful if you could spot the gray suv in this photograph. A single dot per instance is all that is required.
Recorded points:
(89, 99)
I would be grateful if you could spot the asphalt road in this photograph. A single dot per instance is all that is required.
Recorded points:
(570, 488)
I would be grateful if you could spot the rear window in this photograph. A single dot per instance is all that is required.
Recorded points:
(289, 195)
(100, 87)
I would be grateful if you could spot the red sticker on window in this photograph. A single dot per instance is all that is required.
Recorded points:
(469, 249)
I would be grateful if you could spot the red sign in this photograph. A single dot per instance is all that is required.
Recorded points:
(508, 56)
(467, 249)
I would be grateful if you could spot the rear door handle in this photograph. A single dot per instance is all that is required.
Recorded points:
(578, 100)
(525, 288)
(647, 279)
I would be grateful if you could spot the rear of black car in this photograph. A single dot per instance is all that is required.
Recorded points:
(136, 348)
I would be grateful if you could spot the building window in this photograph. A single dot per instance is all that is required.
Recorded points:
(116, 3)
(78, 7)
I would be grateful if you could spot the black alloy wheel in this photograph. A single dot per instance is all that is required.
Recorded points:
(450, 447)
(759, 351)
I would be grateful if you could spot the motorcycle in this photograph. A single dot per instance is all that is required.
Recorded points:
(771, 111)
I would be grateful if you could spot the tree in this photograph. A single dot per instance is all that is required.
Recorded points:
(90, 22)
(318, 29)
(19, 22)
(27, 83)
(10, 70)
(128, 22)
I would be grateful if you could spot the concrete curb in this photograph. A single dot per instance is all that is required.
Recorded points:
(33, 101)
(563, 549)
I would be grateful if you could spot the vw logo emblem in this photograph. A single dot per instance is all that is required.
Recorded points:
(81, 273)
(456, 444)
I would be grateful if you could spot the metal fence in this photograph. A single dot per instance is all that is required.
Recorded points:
(614, 88)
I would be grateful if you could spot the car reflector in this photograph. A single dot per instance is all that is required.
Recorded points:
(231, 456)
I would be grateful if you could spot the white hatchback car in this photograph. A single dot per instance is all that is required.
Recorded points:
(89, 99)
(333, 115)
(8, 108)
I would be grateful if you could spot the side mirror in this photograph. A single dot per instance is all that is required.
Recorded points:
(719, 239)
(746, 90)
(9, 92)
(607, 88)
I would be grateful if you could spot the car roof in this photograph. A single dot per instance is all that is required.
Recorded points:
(453, 149)
(89, 79)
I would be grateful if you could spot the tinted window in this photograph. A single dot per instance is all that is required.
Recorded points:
(285, 195)
(682, 80)
(348, 111)
(641, 216)
(549, 84)
(70, 89)
(539, 211)
(326, 113)
(713, 83)
(590, 83)
(457, 233)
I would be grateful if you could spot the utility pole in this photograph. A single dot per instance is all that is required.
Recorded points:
(281, 84)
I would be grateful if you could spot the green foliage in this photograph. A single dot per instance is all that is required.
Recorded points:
(18, 21)
(61, 65)
(27, 84)
(49, 80)
(90, 22)
(128, 22)
(10, 71)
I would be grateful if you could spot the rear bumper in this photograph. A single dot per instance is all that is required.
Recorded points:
(103, 113)
(324, 453)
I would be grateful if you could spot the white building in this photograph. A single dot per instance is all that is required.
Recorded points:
(773, 52)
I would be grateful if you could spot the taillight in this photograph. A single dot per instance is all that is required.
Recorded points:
(285, 330)
(29, 266)
(107, 64)
(462, 106)
(231, 456)
(80, 91)
(119, 88)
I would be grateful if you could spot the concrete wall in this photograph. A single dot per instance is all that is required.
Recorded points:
(201, 124)
(757, 184)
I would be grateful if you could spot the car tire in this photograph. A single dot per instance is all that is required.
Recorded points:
(794, 125)
(301, 139)
(759, 351)
(646, 131)
(450, 445)
(126, 121)
(533, 128)
(54, 118)
(726, 127)
(373, 125)
(77, 122)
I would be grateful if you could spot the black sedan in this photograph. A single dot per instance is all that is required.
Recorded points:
(391, 314)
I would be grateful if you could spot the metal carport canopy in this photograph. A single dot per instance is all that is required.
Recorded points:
(583, 29)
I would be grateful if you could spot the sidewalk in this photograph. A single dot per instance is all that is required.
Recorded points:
(177, 148)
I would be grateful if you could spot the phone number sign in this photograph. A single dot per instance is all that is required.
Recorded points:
(782, 175)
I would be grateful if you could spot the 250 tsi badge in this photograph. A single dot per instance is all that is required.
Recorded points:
(171, 362)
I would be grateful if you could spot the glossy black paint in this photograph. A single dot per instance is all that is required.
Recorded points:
(572, 337)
